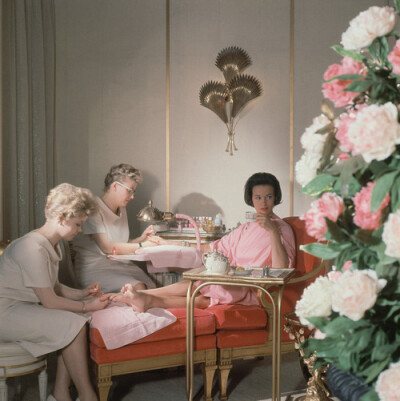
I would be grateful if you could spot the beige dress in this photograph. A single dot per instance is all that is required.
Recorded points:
(32, 262)
(92, 264)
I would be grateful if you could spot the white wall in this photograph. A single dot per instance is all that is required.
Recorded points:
(111, 102)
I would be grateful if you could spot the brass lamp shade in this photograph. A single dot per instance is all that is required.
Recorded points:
(151, 214)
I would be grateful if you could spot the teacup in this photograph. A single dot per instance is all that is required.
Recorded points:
(250, 216)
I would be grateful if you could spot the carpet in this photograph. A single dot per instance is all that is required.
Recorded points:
(294, 395)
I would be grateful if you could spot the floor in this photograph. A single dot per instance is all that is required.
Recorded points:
(249, 380)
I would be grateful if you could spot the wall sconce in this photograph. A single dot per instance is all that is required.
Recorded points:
(228, 99)
(151, 214)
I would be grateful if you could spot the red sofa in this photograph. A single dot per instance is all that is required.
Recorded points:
(223, 333)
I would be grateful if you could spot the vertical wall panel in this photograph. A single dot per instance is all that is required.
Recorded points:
(204, 178)
(110, 93)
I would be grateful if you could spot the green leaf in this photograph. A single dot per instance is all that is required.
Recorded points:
(347, 77)
(395, 195)
(381, 188)
(320, 183)
(373, 370)
(397, 6)
(378, 167)
(335, 232)
(323, 251)
(371, 395)
(351, 53)
(359, 86)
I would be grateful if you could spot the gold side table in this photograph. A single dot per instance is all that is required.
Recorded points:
(277, 278)
(316, 387)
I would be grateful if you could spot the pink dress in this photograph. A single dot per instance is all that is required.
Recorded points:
(247, 245)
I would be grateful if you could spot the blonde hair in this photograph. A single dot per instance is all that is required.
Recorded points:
(120, 172)
(68, 201)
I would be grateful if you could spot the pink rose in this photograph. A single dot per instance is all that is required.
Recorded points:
(374, 133)
(347, 265)
(368, 25)
(394, 58)
(391, 235)
(362, 202)
(388, 383)
(335, 90)
(342, 124)
(343, 156)
(355, 292)
(329, 206)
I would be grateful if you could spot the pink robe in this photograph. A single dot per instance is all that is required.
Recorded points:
(247, 245)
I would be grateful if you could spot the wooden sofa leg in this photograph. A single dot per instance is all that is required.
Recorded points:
(103, 381)
(223, 373)
(208, 378)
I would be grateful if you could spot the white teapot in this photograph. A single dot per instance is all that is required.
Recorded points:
(216, 262)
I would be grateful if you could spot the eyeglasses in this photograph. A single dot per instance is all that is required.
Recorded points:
(131, 191)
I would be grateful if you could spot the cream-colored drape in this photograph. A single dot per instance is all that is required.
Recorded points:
(28, 112)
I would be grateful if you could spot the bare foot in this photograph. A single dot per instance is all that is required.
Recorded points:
(132, 298)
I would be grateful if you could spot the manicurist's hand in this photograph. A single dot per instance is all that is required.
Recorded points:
(92, 290)
(97, 303)
(148, 232)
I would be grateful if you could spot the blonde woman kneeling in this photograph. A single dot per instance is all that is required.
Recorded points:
(37, 311)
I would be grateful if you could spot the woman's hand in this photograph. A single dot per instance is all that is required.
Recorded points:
(92, 290)
(97, 303)
(158, 240)
(148, 232)
(266, 222)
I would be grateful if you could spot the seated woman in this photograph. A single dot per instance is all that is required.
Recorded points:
(108, 231)
(37, 311)
(267, 241)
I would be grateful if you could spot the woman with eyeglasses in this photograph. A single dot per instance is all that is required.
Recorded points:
(108, 233)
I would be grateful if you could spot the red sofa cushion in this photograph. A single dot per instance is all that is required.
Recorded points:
(231, 317)
(149, 350)
(204, 323)
(241, 338)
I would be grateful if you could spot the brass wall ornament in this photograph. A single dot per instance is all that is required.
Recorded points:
(228, 99)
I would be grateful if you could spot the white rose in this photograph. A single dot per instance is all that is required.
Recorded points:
(375, 132)
(388, 383)
(316, 300)
(311, 141)
(368, 25)
(355, 292)
(391, 235)
(306, 168)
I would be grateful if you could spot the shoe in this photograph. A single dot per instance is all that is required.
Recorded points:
(51, 398)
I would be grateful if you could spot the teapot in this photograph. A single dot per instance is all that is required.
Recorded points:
(215, 262)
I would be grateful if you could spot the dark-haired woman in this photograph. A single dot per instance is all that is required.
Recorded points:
(108, 232)
(266, 241)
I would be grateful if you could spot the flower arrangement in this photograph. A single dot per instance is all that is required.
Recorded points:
(351, 165)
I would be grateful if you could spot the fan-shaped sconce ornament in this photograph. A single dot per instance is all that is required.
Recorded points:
(228, 99)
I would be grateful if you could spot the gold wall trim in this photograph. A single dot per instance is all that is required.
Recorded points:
(291, 111)
(167, 108)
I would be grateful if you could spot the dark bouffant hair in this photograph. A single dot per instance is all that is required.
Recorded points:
(262, 179)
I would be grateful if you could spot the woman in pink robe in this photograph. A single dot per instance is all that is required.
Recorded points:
(266, 241)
